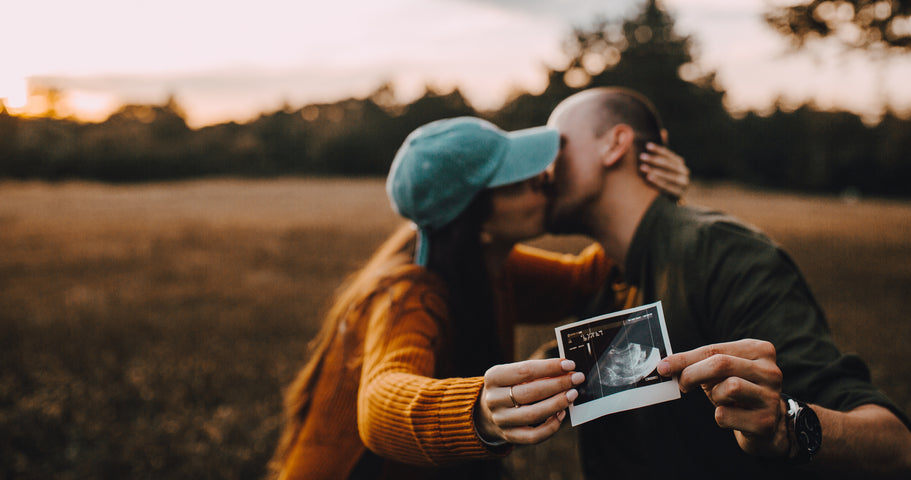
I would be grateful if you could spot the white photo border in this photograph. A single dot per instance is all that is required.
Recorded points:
(666, 390)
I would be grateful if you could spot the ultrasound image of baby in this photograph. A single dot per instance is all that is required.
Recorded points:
(626, 365)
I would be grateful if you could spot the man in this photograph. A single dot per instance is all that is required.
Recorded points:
(736, 307)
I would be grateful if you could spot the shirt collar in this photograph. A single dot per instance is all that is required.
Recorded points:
(638, 248)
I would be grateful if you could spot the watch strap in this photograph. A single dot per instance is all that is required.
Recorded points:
(803, 426)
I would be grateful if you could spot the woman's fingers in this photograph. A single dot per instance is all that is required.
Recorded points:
(673, 183)
(524, 402)
(665, 169)
(526, 371)
(664, 158)
(530, 435)
(537, 390)
(533, 413)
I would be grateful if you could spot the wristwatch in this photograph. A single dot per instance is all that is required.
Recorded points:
(804, 423)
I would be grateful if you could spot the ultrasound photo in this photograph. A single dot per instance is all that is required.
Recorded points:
(619, 353)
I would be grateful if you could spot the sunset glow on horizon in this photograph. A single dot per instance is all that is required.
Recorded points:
(13, 92)
(227, 61)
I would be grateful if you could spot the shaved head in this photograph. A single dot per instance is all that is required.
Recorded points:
(596, 175)
(607, 107)
(597, 187)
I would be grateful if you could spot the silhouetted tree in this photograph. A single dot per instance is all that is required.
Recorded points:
(860, 24)
(526, 110)
(359, 147)
(9, 126)
(280, 144)
(646, 54)
(365, 135)
(887, 169)
(169, 121)
(434, 105)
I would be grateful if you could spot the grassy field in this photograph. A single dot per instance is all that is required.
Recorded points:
(147, 331)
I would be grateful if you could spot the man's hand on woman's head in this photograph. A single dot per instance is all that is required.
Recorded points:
(525, 402)
(664, 169)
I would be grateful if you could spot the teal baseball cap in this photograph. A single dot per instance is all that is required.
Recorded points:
(443, 165)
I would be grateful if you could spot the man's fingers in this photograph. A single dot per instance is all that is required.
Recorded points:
(749, 349)
(738, 392)
(761, 422)
(713, 370)
(526, 371)
(717, 368)
(759, 431)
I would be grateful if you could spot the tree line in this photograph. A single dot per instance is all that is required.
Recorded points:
(803, 149)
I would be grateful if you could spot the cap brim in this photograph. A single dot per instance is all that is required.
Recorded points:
(529, 153)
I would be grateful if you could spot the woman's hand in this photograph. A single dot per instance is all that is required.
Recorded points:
(664, 169)
(524, 402)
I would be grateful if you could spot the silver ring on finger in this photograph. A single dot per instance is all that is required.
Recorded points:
(515, 403)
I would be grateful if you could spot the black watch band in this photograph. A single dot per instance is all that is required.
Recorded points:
(804, 425)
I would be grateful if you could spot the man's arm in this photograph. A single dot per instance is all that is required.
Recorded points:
(743, 381)
(869, 438)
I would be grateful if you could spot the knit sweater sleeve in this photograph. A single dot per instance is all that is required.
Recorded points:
(404, 414)
(547, 286)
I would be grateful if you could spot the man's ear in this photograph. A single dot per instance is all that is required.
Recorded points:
(618, 141)
(664, 136)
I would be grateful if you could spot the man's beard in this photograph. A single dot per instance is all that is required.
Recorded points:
(566, 221)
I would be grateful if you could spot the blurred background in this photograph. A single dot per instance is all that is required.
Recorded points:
(809, 96)
(184, 184)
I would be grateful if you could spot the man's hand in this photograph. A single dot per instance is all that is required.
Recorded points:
(743, 381)
(524, 402)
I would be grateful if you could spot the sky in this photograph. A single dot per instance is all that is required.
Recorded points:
(232, 60)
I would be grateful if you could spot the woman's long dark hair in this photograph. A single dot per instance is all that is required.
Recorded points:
(456, 257)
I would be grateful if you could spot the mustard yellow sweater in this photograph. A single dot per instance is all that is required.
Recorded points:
(376, 387)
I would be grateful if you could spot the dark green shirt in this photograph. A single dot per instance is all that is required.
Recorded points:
(720, 280)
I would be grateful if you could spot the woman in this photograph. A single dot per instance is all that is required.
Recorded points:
(396, 385)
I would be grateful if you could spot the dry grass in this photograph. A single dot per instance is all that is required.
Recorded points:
(147, 331)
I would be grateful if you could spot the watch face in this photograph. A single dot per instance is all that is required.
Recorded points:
(808, 430)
